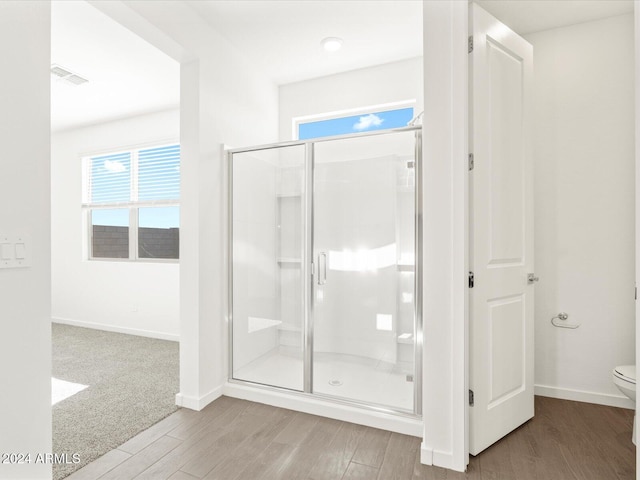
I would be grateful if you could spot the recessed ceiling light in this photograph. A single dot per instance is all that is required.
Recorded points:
(331, 44)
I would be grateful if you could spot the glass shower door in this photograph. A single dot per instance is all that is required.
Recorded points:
(363, 286)
(268, 304)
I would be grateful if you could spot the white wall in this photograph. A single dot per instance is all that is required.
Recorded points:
(584, 206)
(223, 101)
(25, 340)
(391, 82)
(140, 298)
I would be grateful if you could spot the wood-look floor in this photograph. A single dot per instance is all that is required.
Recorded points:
(234, 439)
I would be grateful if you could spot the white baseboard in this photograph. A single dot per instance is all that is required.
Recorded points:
(315, 406)
(584, 396)
(116, 329)
(198, 403)
(429, 456)
(426, 455)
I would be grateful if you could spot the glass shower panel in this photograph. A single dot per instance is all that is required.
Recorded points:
(364, 244)
(267, 196)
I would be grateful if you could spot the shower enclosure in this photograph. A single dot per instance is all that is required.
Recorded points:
(323, 278)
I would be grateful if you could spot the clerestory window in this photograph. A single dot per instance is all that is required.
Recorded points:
(367, 120)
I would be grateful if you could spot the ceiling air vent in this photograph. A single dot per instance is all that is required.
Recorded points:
(66, 75)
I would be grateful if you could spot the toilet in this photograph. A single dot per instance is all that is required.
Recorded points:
(624, 377)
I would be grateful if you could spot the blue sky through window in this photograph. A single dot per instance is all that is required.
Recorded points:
(356, 123)
(148, 217)
(159, 217)
(112, 217)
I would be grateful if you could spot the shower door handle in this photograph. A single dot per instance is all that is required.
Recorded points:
(322, 268)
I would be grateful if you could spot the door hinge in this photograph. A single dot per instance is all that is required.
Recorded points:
(636, 293)
(470, 43)
(471, 279)
(471, 398)
(471, 162)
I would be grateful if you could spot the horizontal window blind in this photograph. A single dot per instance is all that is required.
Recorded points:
(143, 176)
(159, 173)
(110, 178)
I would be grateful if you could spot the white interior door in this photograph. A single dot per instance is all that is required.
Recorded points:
(501, 213)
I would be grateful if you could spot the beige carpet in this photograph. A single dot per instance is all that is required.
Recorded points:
(132, 382)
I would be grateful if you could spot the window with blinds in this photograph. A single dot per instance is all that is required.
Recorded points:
(131, 201)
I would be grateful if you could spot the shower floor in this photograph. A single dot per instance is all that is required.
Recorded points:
(345, 376)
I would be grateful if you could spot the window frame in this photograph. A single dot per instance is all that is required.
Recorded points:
(296, 121)
(132, 206)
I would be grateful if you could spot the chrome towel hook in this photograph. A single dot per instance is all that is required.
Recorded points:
(563, 317)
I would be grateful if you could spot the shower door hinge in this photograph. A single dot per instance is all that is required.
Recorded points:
(470, 43)
(471, 279)
(471, 164)
(471, 398)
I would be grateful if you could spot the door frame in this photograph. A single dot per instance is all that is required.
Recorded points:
(445, 241)
(636, 13)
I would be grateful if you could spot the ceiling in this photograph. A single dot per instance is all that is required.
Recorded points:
(283, 37)
(529, 16)
(127, 76)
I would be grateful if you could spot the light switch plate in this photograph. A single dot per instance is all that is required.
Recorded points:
(15, 251)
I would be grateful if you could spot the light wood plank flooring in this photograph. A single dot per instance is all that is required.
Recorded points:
(235, 439)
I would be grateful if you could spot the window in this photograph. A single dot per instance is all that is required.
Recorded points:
(131, 200)
(373, 119)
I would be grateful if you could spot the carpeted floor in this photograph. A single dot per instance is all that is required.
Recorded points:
(132, 382)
